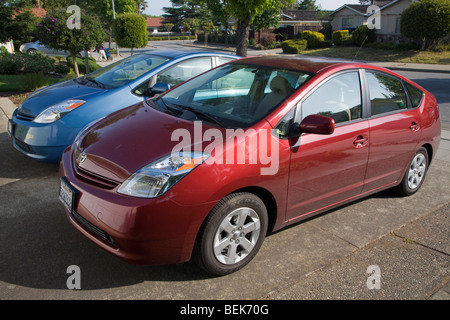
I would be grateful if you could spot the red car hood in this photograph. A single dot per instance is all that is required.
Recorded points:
(129, 139)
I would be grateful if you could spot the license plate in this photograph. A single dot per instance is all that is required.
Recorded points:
(67, 194)
(10, 128)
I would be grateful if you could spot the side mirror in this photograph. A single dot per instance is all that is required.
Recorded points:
(160, 87)
(315, 124)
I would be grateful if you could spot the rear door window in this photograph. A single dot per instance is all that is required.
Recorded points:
(386, 93)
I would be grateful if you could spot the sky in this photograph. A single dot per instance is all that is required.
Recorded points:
(155, 6)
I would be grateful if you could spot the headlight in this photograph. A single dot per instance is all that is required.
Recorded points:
(58, 111)
(156, 178)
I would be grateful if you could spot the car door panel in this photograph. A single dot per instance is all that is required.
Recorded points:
(327, 169)
(394, 130)
(393, 141)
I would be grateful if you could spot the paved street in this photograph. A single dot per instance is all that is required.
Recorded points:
(406, 240)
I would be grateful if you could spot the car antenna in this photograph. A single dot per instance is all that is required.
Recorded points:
(354, 58)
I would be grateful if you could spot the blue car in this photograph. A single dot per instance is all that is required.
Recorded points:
(48, 121)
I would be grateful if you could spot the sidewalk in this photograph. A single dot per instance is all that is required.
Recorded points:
(421, 247)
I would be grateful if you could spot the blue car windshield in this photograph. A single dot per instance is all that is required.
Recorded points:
(123, 71)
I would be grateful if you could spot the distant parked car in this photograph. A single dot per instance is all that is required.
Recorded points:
(49, 119)
(32, 47)
(206, 169)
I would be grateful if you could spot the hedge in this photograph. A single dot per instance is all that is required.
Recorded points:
(294, 46)
(314, 38)
(362, 35)
(18, 62)
(339, 36)
(150, 38)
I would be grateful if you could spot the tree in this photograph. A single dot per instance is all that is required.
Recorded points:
(207, 27)
(307, 5)
(427, 21)
(182, 10)
(54, 32)
(22, 28)
(219, 15)
(168, 27)
(141, 5)
(245, 12)
(6, 13)
(130, 30)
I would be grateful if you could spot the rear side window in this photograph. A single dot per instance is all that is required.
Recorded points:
(185, 70)
(415, 95)
(386, 93)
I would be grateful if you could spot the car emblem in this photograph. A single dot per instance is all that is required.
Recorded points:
(82, 157)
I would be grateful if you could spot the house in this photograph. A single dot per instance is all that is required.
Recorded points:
(303, 19)
(294, 21)
(386, 20)
(153, 24)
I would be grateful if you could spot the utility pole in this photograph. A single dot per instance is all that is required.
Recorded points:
(114, 18)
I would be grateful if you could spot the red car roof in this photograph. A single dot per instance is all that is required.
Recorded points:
(300, 63)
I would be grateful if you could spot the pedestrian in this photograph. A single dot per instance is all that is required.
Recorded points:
(101, 53)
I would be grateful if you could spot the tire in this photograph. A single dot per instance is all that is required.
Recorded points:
(31, 51)
(232, 234)
(415, 173)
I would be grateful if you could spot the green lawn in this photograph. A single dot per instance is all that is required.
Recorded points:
(25, 83)
(371, 54)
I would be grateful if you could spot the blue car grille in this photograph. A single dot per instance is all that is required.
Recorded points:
(24, 117)
(22, 145)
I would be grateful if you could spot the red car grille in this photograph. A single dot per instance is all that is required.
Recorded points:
(103, 235)
(94, 179)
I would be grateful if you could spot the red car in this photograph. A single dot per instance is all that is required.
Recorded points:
(207, 169)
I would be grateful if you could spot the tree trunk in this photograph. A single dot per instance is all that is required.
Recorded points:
(242, 37)
(86, 59)
(75, 65)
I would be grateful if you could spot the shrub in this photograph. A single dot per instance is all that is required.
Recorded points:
(82, 65)
(13, 63)
(61, 68)
(10, 63)
(294, 46)
(37, 62)
(362, 35)
(314, 38)
(441, 47)
(426, 21)
(267, 40)
(130, 31)
(339, 36)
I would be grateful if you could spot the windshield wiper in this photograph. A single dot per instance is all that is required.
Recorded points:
(196, 112)
(98, 83)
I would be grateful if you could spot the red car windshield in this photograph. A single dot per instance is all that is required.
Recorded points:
(236, 95)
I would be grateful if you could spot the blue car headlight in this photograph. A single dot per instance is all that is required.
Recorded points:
(58, 111)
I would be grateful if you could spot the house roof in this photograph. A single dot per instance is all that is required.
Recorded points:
(154, 22)
(39, 12)
(301, 15)
(362, 9)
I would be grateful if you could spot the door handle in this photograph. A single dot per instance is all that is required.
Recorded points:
(361, 141)
(414, 126)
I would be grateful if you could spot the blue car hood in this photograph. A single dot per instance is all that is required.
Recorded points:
(49, 96)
